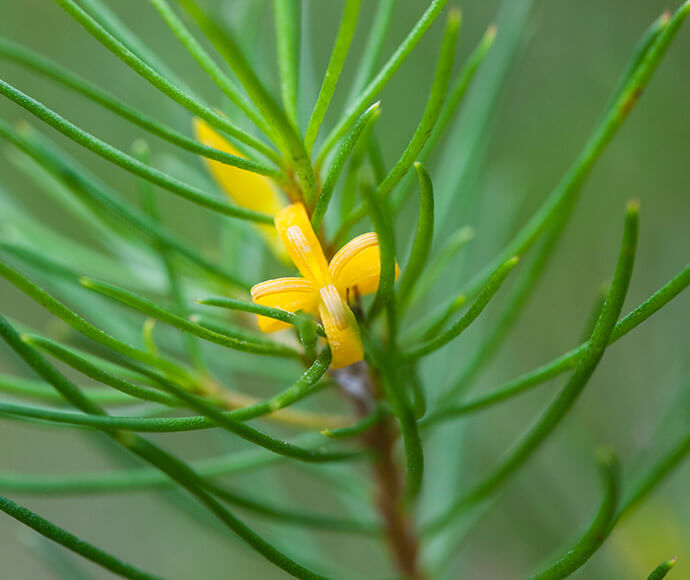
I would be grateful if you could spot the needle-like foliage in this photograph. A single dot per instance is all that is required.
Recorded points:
(153, 332)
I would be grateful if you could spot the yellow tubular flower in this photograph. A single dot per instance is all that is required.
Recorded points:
(246, 189)
(325, 288)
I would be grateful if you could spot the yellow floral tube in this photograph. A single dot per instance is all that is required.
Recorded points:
(246, 189)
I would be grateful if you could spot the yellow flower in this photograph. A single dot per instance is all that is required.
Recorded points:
(246, 189)
(325, 289)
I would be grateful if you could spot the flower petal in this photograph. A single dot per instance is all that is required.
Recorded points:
(246, 189)
(294, 229)
(291, 294)
(341, 328)
(358, 265)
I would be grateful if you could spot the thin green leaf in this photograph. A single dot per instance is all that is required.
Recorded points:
(58, 309)
(143, 153)
(101, 199)
(381, 218)
(421, 245)
(341, 48)
(455, 99)
(80, 364)
(160, 82)
(361, 426)
(570, 359)
(367, 120)
(173, 467)
(662, 569)
(596, 533)
(563, 198)
(437, 95)
(458, 240)
(484, 297)
(55, 72)
(373, 47)
(387, 71)
(555, 412)
(33, 389)
(222, 81)
(72, 542)
(126, 162)
(236, 463)
(287, 25)
(653, 476)
(292, 144)
(517, 298)
(265, 347)
(119, 29)
(244, 306)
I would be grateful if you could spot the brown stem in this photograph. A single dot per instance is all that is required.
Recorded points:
(361, 389)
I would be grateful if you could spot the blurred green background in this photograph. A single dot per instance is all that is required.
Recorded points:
(638, 402)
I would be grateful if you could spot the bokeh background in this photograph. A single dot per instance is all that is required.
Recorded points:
(507, 151)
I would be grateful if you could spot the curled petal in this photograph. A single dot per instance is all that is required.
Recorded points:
(294, 229)
(246, 189)
(357, 265)
(341, 328)
(291, 294)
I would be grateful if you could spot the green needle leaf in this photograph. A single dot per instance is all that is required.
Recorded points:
(660, 571)
(265, 347)
(55, 72)
(341, 48)
(159, 81)
(287, 24)
(595, 535)
(485, 296)
(387, 71)
(72, 542)
(570, 359)
(563, 198)
(432, 110)
(101, 200)
(421, 245)
(362, 126)
(69, 357)
(292, 144)
(126, 162)
(380, 213)
(207, 64)
(244, 306)
(555, 412)
(58, 309)
(373, 47)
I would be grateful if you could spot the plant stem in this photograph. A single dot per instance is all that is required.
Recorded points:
(357, 383)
